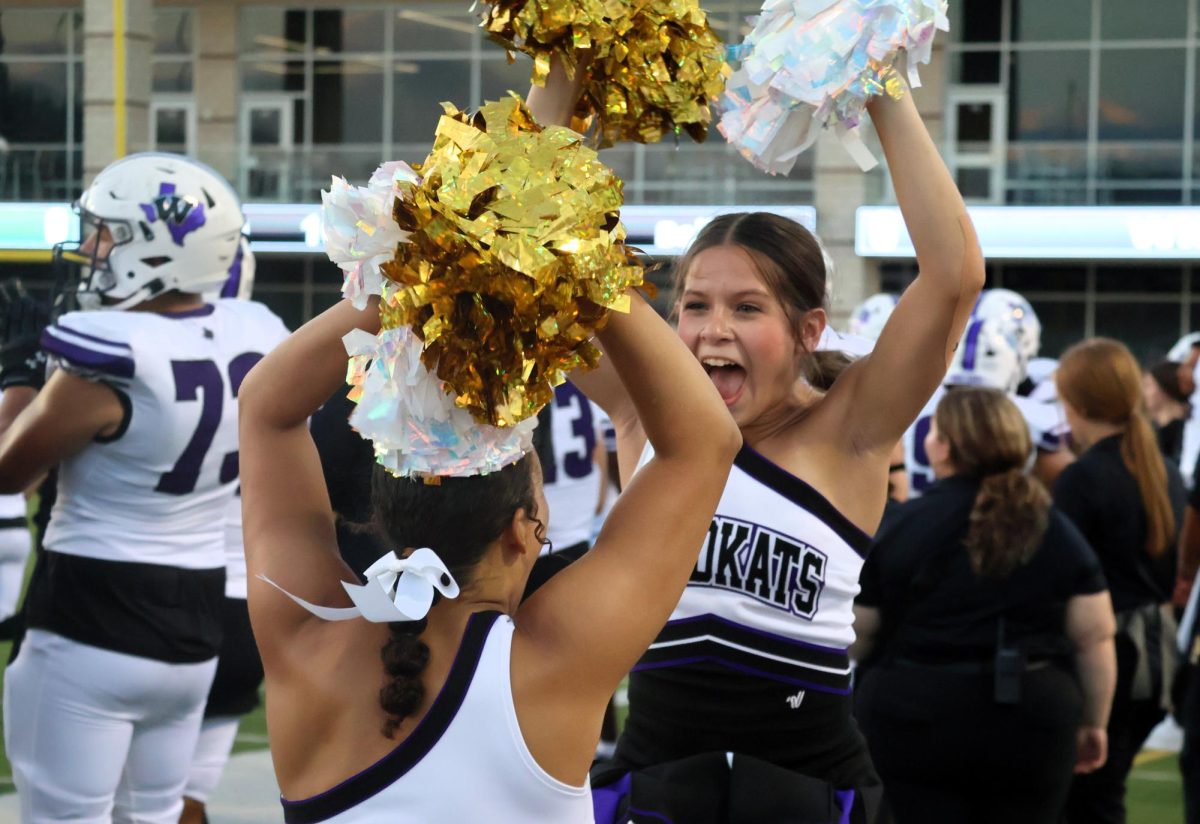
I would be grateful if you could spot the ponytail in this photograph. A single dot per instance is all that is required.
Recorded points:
(1007, 523)
(404, 656)
(1143, 458)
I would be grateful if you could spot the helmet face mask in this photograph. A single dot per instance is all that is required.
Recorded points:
(151, 223)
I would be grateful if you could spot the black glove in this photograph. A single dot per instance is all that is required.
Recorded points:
(22, 319)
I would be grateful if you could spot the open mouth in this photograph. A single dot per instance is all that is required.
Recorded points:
(727, 376)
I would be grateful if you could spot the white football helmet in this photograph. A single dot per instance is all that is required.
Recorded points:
(240, 281)
(1011, 308)
(175, 224)
(1183, 347)
(869, 317)
(987, 356)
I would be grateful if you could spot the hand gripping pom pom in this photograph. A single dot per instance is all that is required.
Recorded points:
(359, 231)
(414, 423)
(655, 65)
(813, 64)
(514, 256)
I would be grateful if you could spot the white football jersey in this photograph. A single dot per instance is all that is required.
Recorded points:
(1047, 430)
(773, 589)
(572, 483)
(158, 490)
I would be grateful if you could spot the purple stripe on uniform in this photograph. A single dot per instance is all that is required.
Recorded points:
(972, 345)
(234, 281)
(845, 802)
(698, 659)
(708, 616)
(607, 800)
(92, 338)
(114, 365)
(206, 309)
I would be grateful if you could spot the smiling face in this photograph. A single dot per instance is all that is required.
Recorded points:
(740, 332)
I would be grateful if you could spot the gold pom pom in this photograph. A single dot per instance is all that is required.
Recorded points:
(516, 254)
(654, 65)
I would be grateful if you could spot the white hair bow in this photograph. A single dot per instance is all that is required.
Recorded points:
(397, 589)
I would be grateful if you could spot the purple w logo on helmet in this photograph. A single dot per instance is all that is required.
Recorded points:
(182, 215)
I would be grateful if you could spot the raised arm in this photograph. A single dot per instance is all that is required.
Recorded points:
(887, 389)
(287, 519)
(595, 619)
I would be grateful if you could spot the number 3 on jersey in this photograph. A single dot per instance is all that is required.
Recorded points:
(577, 464)
(202, 380)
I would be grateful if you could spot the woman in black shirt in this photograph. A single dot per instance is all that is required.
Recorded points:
(1128, 502)
(984, 594)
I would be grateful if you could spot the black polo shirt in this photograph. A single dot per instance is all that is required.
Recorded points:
(936, 609)
(1100, 495)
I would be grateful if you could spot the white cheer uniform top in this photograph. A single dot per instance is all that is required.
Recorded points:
(772, 593)
(465, 763)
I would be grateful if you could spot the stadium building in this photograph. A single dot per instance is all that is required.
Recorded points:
(1070, 126)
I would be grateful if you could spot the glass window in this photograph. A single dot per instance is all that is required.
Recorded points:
(347, 31)
(171, 130)
(1063, 324)
(1139, 279)
(1048, 161)
(977, 67)
(172, 76)
(347, 101)
(1137, 161)
(497, 78)
(418, 88)
(1039, 20)
(978, 21)
(1138, 197)
(34, 31)
(1148, 329)
(1130, 20)
(33, 102)
(1141, 94)
(172, 31)
(288, 305)
(273, 76)
(1044, 278)
(435, 29)
(974, 184)
(272, 30)
(1048, 95)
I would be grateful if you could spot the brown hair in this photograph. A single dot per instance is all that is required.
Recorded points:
(989, 440)
(459, 518)
(786, 256)
(1101, 380)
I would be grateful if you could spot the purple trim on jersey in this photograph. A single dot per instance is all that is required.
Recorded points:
(206, 309)
(92, 338)
(115, 365)
(708, 616)
(713, 659)
(408, 753)
(845, 802)
(606, 800)
(972, 345)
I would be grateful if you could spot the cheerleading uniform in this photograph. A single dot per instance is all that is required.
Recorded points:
(471, 729)
(754, 658)
(124, 609)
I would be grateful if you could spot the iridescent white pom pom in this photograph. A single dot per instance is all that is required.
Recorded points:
(416, 428)
(360, 233)
(813, 64)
